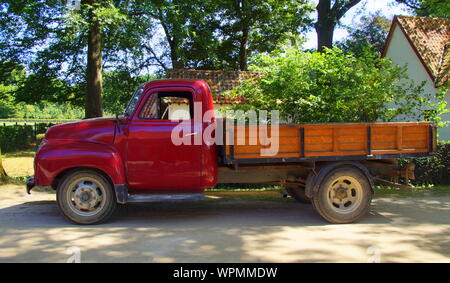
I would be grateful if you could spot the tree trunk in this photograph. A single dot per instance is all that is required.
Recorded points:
(324, 36)
(324, 25)
(327, 18)
(243, 53)
(2, 170)
(243, 14)
(93, 107)
(177, 63)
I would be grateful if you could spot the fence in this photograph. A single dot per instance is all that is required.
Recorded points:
(19, 134)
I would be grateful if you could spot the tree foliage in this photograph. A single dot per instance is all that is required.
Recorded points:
(119, 86)
(370, 33)
(56, 45)
(221, 34)
(252, 26)
(428, 8)
(335, 87)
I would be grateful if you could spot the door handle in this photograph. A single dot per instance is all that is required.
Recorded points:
(191, 134)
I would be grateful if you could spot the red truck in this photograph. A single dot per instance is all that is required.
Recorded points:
(95, 164)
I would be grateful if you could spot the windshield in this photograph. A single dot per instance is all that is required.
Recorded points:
(133, 101)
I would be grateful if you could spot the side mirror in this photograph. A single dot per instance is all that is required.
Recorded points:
(126, 117)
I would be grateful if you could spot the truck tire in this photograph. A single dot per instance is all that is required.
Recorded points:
(298, 194)
(344, 196)
(86, 197)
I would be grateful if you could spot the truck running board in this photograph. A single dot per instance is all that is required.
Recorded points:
(164, 197)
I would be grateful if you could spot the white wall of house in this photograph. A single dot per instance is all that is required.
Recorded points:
(181, 111)
(444, 134)
(401, 53)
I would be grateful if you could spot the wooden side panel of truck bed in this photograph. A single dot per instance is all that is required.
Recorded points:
(331, 141)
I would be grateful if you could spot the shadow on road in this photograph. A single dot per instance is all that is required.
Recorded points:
(229, 231)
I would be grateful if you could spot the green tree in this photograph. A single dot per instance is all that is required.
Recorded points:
(335, 87)
(329, 12)
(221, 34)
(253, 26)
(428, 8)
(12, 75)
(370, 33)
(119, 86)
(70, 45)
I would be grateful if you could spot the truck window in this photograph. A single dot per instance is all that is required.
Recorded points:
(133, 101)
(168, 106)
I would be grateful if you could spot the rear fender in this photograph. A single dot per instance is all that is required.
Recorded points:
(315, 180)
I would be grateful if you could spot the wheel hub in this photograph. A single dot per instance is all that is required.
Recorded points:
(341, 193)
(86, 196)
(345, 194)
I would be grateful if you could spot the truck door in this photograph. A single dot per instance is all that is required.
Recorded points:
(153, 160)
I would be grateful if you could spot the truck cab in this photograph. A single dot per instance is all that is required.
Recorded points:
(133, 154)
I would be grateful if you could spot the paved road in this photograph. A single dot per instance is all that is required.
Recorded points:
(223, 229)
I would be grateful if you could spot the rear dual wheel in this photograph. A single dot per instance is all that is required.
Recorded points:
(344, 196)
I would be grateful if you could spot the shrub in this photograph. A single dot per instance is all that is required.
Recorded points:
(313, 87)
(19, 137)
(47, 110)
(434, 170)
(16, 137)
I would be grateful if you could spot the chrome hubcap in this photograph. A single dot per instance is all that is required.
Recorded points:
(86, 197)
(345, 194)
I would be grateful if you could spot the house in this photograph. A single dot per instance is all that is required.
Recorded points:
(423, 45)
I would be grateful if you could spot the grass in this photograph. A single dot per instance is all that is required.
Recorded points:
(23, 153)
(18, 164)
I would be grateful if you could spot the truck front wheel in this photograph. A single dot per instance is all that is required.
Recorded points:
(86, 197)
(344, 196)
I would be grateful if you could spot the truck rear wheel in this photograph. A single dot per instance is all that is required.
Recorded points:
(344, 196)
(86, 197)
(298, 194)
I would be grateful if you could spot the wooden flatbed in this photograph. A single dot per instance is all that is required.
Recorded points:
(322, 142)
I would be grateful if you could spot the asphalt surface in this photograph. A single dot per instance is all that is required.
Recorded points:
(224, 229)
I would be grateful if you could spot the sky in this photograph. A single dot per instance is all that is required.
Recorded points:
(388, 8)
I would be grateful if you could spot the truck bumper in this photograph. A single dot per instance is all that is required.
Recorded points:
(30, 184)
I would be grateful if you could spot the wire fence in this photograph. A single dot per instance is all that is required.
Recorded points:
(19, 134)
(8, 122)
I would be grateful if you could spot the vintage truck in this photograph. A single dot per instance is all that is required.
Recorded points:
(95, 164)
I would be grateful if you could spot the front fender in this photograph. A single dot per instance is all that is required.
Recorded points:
(55, 157)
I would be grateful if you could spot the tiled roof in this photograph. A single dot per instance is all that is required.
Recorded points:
(430, 36)
(219, 81)
(444, 72)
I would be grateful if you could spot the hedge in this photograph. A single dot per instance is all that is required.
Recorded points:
(20, 137)
(434, 170)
